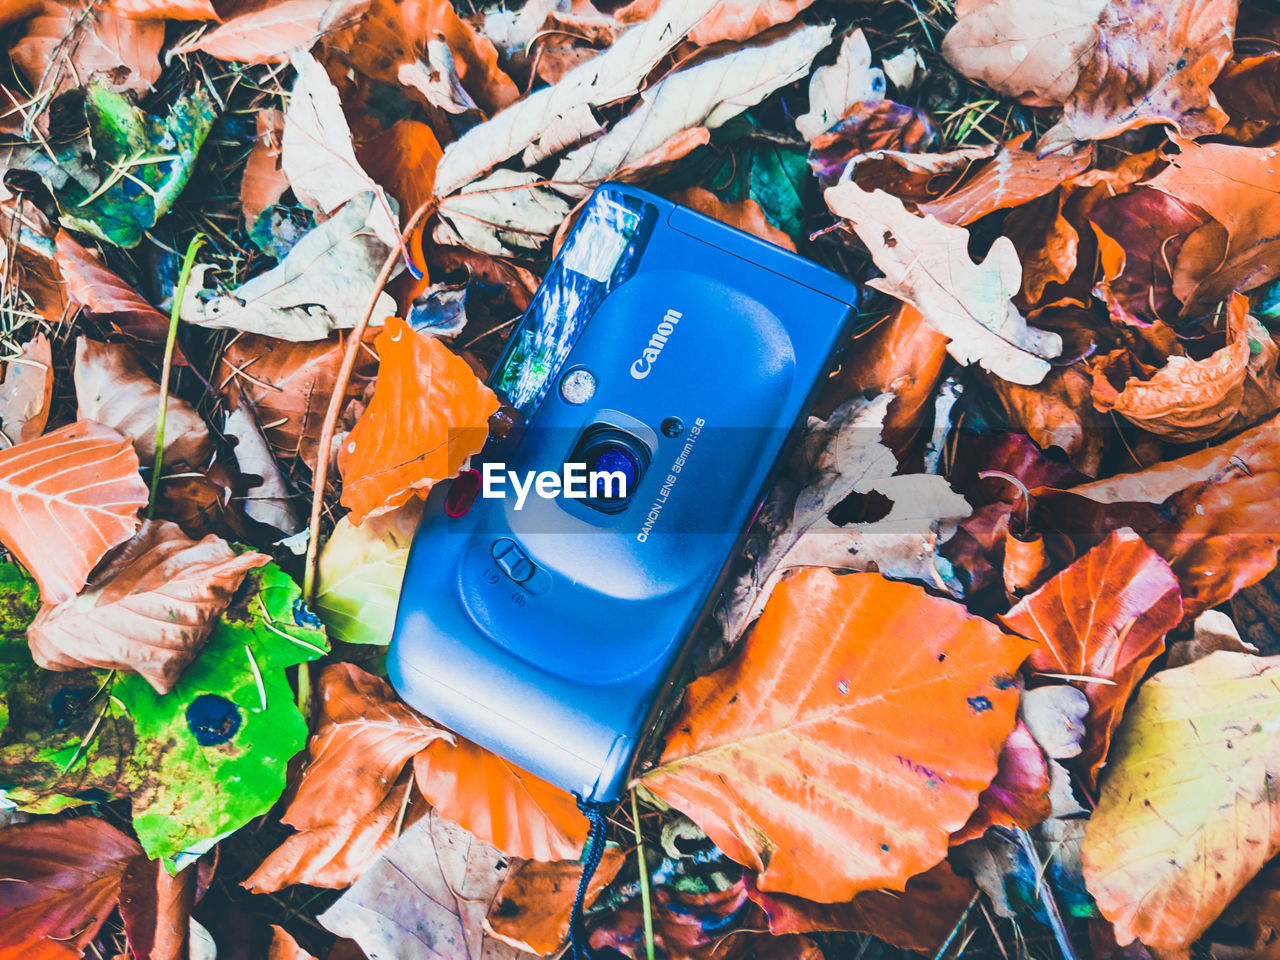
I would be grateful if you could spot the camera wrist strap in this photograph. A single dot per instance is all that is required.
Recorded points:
(595, 813)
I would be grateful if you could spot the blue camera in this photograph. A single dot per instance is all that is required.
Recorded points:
(649, 390)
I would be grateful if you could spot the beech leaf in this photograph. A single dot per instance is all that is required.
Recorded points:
(65, 500)
(1187, 813)
(770, 735)
(27, 391)
(149, 610)
(268, 32)
(429, 412)
(103, 294)
(926, 263)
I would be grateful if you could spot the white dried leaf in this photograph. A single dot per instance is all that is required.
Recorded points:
(834, 89)
(505, 214)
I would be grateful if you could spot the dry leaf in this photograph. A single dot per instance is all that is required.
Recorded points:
(429, 412)
(112, 389)
(269, 501)
(105, 295)
(1031, 51)
(155, 909)
(1187, 814)
(65, 500)
(26, 391)
(736, 20)
(745, 214)
(269, 30)
(770, 734)
(149, 610)
(284, 947)
(264, 181)
(834, 89)
(1018, 796)
(1104, 616)
(403, 161)
(163, 9)
(1152, 63)
(60, 881)
(499, 803)
(865, 129)
(926, 263)
(532, 908)
(426, 898)
(506, 214)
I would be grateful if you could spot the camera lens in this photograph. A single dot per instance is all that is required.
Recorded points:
(615, 462)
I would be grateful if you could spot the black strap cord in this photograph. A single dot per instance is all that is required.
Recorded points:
(594, 812)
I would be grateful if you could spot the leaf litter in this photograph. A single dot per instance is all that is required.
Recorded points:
(978, 681)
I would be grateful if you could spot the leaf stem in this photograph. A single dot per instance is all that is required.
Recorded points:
(179, 293)
(644, 880)
(320, 477)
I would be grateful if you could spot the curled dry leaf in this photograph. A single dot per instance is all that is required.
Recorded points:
(105, 295)
(429, 412)
(919, 918)
(1212, 631)
(61, 879)
(65, 500)
(1020, 50)
(1059, 412)
(1152, 63)
(426, 897)
(926, 263)
(833, 90)
(266, 32)
(1187, 815)
(112, 389)
(1011, 178)
(26, 391)
(149, 610)
(1105, 616)
(745, 214)
(499, 803)
(770, 734)
(533, 906)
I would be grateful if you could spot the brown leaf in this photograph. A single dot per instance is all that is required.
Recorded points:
(1059, 412)
(1011, 178)
(920, 918)
(745, 214)
(65, 500)
(267, 30)
(112, 389)
(337, 854)
(1047, 243)
(501, 804)
(163, 9)
(429, 412)
(1019, 794)
(284, 947)
(739, 20)
(1105, 616)
(1247, 203)
(532, 908)
(156, 909)
(1034, 52)
(105, 295)
(364, 737)
(1153, 63)
(60, 880)
(149, 610)
(866, 127)
(68, 42)
(263, 182)
(770, 734)
(27, 391)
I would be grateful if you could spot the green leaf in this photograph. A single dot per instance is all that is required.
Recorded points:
(211, 754)
(144, 162)
(774, 175)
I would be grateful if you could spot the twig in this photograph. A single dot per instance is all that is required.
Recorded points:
(321, 477)
(179, 294)
(644, 880)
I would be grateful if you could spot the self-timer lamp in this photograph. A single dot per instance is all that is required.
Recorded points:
(651, 387)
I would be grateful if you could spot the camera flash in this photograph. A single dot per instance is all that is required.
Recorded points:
(578, 386)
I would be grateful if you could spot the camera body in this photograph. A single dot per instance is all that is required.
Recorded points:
(671, 357)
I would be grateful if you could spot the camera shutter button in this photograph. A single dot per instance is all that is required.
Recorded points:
(512, 560)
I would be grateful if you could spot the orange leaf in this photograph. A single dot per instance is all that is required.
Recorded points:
(847, 741)
(428, 413)
(920, 918)
(1104, 616)
(744, 214)
(740, 20)
(264, 180)
(149, 610)
(65, 500)
(403, 162)
(163, 9)
(284, 947)
(501, 804)
(59, 879)
(268, 30)
(532, 908)
(1011, 178)
(1153, 63)
(27, 391)
(364, 738)
(335, 855)
(69, 41)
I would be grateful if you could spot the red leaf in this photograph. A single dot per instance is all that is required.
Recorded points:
(1019, 794)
